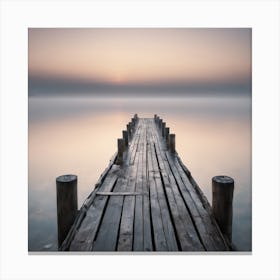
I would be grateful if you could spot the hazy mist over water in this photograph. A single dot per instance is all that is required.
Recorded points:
(79, 135)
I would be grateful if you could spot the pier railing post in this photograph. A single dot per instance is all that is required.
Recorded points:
(222, 197)
(156, 119)
(67, 205)
(163, 129)
(166, 135)
(121, 148)
(125, 138)
(136, 118)
(160, 124)
(172, 143)
(131, 128)
(128, 131)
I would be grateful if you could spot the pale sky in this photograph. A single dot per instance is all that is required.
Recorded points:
(116, 56)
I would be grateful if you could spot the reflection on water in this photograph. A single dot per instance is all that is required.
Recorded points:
(79, 135)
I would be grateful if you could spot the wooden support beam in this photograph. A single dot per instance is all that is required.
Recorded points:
(67, 205)
(222, 197)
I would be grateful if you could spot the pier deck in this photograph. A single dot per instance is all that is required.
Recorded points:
(149, 202)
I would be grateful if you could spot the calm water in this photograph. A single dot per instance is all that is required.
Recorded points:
(79, 135)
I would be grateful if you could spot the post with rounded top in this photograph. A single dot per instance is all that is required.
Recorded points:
(163, 129)
(125, 138)
(67, 205)
(166, 136)
(222, 197)
(155, 117)
(172, 143)
(121, 147)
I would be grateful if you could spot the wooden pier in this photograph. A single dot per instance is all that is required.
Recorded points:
(147, 200)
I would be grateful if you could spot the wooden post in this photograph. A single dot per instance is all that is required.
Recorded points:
(160, 124)
(163, 129)
(155, 118)
(125, 138)
(67, 205)
(133, 125)
(131, 129)
(128, 131)
(172, 143)
(167, 136)
(222, 196)
(119, 160)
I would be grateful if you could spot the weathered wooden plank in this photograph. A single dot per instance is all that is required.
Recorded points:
(138, 240)
(206, 227)
(198, 215)
(158, 231)
(121, 193)
(208, 221)
(125, 242)
(164, 236)
(186, 231)
(88, 229)
(148, 244)
(88, 201)
(107, 236)
(135, 143)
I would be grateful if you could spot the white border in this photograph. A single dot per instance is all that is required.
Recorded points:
(17, 16)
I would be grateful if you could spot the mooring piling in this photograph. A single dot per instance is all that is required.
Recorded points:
(67, 205)
(222, 197)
